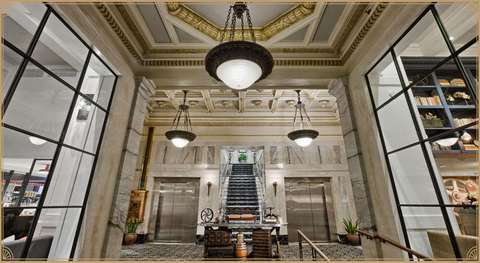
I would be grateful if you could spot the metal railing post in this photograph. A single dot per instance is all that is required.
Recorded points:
(300, 251)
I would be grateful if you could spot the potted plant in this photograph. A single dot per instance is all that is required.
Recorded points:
(229, 171)
(255, 172)
(242, 158)
(131, 235)
(352, 236)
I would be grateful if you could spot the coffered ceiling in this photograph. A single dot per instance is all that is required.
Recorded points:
(180, 34)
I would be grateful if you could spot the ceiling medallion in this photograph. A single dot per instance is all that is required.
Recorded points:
(239, 64)
(181, 138)
(302, 137)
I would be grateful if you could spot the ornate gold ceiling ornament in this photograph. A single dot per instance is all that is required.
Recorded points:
(323, 103)
(193, 104)
(257, 103)
(264, 33)
(161, 104)
(290, 103)
(357, 14)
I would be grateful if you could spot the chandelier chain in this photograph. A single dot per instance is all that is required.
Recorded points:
(243, 31)
(250, 25)
(232, 32)
(226, 24)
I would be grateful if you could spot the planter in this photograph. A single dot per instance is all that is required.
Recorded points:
(342, 239)
(130, 239)
(240, 251)
(242, 161)
(353, 239)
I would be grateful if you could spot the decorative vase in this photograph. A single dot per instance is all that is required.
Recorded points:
(353, 239)
(241, 251)
(243, 161)
(130, 239)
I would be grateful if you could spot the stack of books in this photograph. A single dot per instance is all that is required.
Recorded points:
(443, 82)
(470, 146)
(457, 82)
(436, 147)
(464, 121)
(428, 101)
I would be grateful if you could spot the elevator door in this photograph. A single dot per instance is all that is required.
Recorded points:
(177, 213)
(306, 211)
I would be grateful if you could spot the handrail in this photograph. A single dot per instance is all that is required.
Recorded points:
(395, 244)
(260, 180)
(300, 236)
(224, 178)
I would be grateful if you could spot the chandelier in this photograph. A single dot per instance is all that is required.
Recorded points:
(180, 138)
(305, 135)
(237, 63)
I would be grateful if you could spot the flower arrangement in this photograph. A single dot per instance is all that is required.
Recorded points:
(471, 198)
(132, 225)
(242, 157)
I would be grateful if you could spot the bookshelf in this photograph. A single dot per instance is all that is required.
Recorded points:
(441, 96)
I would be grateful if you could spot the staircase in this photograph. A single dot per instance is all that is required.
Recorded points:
(242, 194)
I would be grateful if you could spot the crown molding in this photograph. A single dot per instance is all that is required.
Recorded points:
(237, 124)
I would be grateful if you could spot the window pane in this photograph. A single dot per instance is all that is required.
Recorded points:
(412, 178)
(20, 25)
(424, 40)
(58, 227)
(427, 232)
(397, 124)
(23, 156)
(384, 80)
(16, 224)
(85, 126)
(98, 82)
(61, 51)
(40, 104)
(460, 21)
(69, 181)
(11, 62)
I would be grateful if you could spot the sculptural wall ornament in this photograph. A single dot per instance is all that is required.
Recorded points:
(239, 63)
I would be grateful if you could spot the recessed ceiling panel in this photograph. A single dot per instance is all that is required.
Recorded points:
(328, 22)
(185, 37)
(261, 14)
(154, 22)
(298, 36)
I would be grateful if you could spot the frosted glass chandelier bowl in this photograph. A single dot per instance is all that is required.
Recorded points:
(303, 137)
(180, 138)
(239, 73)
(239, 64)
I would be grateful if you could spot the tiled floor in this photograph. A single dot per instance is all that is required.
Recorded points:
(154, 251)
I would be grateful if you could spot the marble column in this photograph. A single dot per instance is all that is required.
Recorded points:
(125, 177)
(358, 176)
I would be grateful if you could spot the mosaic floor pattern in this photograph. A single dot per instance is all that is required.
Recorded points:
(152, 251)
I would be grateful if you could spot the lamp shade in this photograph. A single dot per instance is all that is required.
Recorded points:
(239, 73)
(180, 138)
(303, 137)
(36, 141)
(448, 140)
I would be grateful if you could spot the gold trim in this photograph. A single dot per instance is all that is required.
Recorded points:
(357, 14)
(368, 25)
(132, 26)
(147, 154)
(264, 33)
(118, 30)
(263, 124)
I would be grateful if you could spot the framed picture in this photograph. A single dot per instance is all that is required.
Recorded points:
(85, 107)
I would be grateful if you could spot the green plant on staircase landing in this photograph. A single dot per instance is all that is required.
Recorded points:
(350, 227)
(352, 236)
(255, 172)
(132, 225)
(242, 157)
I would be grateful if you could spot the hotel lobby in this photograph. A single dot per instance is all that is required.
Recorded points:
(255, 131)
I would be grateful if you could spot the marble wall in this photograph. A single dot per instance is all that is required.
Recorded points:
(283, 159)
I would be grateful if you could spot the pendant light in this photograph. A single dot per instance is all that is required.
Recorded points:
(181, 138)
(305, 135)
(239, 64)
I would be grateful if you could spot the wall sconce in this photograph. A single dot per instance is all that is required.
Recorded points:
(275, 188)
(209, 185)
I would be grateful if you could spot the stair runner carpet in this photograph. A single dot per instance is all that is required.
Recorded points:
(242, 194)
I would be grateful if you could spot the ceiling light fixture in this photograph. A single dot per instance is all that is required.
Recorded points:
(448, 140)
(181, 138)
(239, 63)
(302, 137)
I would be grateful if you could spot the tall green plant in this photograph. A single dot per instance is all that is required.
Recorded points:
(242, 157)
(350, 227)
(132, 225)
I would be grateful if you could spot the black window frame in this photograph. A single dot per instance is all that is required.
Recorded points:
(27, 58)
(418, 127)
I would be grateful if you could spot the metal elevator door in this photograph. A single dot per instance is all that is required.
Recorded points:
(306, 210)
(177, 212)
